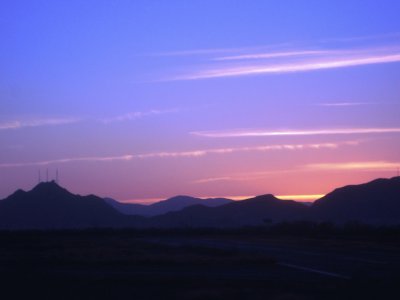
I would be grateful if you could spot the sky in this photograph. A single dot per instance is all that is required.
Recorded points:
(144, 100)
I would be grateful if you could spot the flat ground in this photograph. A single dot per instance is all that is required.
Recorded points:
(193, 265)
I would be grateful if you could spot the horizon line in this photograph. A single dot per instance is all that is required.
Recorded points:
(295, 197)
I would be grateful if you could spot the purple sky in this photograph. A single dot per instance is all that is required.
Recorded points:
(141, 100)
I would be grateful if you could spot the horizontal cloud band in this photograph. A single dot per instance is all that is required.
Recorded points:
(36, 123)
(255, 133)
(369, 165)
(298, 61)
(195, 153)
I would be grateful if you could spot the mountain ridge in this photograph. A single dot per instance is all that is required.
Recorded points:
(49, 206)
(377, 201)
(164, 206)
(256, 211)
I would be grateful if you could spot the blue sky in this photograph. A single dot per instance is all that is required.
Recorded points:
(149, 99)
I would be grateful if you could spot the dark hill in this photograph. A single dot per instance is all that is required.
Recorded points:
(49, 206)
(376, 202)
(250, 212)
(172, 204)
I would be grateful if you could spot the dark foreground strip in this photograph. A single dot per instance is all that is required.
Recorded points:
(314, 271)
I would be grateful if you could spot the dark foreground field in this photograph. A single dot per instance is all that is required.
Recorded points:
(198, 265)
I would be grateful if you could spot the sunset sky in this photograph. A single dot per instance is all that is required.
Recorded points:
(144, 100)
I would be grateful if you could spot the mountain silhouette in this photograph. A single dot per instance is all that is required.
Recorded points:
(172, 204)
(49, 206)
(251, 212)
(375, 202)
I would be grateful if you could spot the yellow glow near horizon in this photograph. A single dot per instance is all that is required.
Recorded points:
(301, 198)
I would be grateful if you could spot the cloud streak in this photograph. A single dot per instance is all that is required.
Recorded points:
(389, 36)
(18, 124)
(199, 153)
(138, 115)
(265, 132)
(195, 52)
(339, 166)
(292, 62)
(367, 166)
(345, 104)
(292, 68)
(270, 55)
(68, 160)
(247, 176)
(184, 154)
(41, 122)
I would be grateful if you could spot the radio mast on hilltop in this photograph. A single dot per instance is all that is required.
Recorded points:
(57, 176)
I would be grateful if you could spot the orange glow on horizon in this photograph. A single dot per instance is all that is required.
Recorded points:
(298, 198)
(301, 198)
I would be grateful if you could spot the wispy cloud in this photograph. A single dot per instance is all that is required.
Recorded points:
(389, 36)
(270, 55)
(54, 121)
(246, 52)
(197, 52)
(340, 166)
(193, 153)
(248, 176)
(17, 124)
(68, 160)
(214, 179)
(198, 153)
(194, 52)
(344, 104)
(266, 132)
(291, 61)
(138, 115)
(366, 165)
(303, 66)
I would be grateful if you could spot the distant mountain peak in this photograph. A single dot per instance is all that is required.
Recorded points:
(263, 198)
(47, 184)
(50, 206)
(49, 187)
